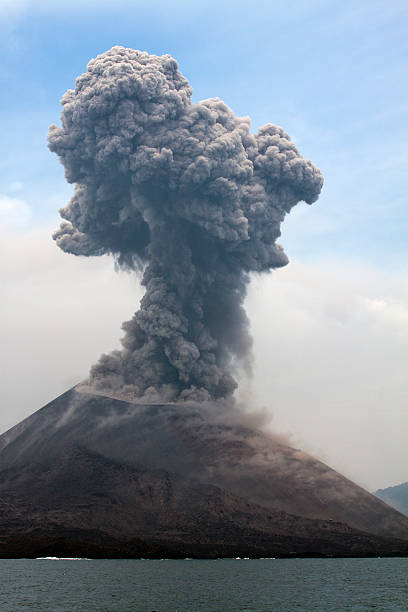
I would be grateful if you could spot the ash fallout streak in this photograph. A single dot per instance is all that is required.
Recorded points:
(185, 193)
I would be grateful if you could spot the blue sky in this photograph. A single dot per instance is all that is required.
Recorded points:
(334, 75)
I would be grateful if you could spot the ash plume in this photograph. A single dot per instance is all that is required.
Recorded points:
(184, 193)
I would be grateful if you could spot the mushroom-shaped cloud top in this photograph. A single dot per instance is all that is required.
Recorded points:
(186, 192)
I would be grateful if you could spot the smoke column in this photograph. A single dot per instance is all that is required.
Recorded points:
(185, 193)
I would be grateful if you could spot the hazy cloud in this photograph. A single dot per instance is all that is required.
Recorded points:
(14, 212)
(330, 348)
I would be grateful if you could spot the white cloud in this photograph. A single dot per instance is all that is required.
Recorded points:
(14, 212)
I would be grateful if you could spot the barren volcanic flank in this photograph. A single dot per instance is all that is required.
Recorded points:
(92, 475)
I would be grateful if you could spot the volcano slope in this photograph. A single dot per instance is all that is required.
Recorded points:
(90, 475)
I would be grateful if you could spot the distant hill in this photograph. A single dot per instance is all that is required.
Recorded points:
(397, 497)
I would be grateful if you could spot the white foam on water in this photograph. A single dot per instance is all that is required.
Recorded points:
(62, 559)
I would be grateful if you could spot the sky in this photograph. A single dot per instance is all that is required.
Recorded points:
(330, 330)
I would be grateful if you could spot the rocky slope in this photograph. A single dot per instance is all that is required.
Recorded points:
(90, 475)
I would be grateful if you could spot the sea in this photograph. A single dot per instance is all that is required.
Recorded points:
(222, 585)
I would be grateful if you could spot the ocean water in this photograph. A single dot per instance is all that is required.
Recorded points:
(239, 585)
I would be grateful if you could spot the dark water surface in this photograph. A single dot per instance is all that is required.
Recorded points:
(256, 585)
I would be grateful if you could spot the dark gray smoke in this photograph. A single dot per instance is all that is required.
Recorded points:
(185, 192)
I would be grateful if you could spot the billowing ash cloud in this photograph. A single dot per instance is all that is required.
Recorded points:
(185, 192)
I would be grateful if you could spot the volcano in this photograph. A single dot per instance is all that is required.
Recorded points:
(92, 475)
